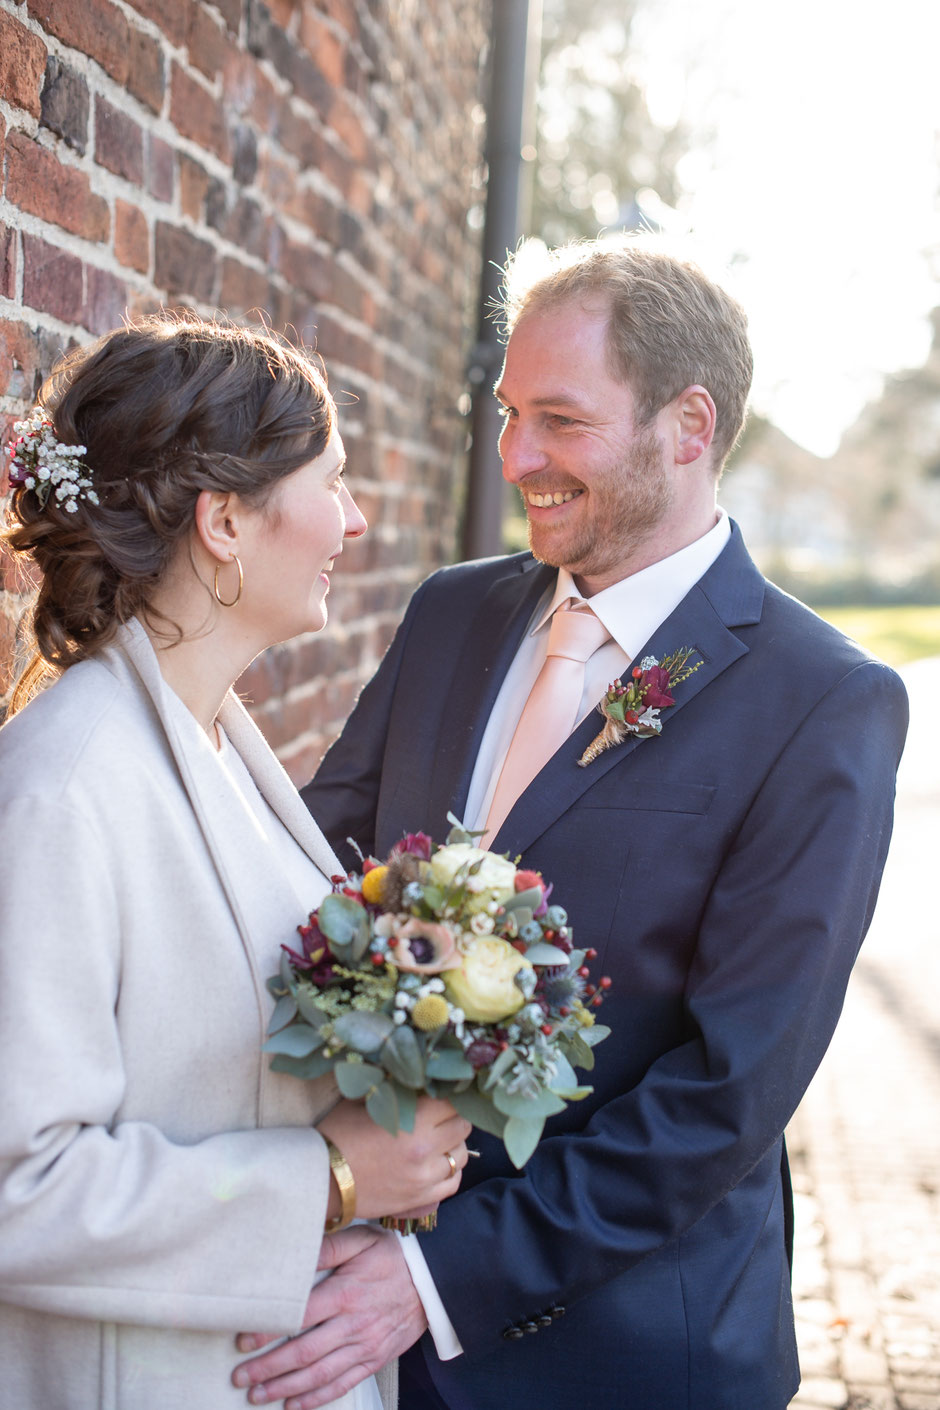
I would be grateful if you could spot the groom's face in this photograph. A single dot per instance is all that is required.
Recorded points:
(593, 481)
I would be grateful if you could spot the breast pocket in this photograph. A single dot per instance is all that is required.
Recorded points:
(666, 796)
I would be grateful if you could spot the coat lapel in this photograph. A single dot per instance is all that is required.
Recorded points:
(494, 634)
(729, 595)
(249, 876)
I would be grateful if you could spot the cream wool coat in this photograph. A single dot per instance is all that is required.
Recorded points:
(160, 1188)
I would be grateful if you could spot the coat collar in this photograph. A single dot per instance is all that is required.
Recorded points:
(729, 595)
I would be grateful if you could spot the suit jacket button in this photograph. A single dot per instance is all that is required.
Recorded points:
(545, 1320)
(555, 1312)
(530, 1326)
(513, 1334)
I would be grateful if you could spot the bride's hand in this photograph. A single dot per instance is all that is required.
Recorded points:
(400, 1174)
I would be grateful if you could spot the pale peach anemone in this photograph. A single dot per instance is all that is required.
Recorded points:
(425, 947)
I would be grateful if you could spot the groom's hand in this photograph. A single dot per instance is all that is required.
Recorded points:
(355, 1321)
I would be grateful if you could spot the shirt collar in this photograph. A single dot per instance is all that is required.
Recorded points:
(632, 609)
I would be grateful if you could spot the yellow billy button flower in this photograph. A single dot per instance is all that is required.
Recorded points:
(483, 985)
(430, 1012)
(373, 885)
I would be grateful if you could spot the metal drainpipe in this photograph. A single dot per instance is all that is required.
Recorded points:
(515, 37)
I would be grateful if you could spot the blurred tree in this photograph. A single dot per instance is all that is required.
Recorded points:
(599, 160)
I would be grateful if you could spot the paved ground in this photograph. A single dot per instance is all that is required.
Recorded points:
(865, 1143)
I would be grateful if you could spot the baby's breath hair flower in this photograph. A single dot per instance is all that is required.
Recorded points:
(43, 464)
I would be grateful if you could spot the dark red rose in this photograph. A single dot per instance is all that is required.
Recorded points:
(483, 1052)
(655, 687)
(418, 844)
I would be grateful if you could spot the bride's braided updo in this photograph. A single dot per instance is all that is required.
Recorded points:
(165, 408)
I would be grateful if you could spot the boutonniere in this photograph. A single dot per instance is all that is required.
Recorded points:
(634, 708)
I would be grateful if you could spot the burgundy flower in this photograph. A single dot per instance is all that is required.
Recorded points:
(483, 1052)
(317, 958)
(418, 844)
(655, 688)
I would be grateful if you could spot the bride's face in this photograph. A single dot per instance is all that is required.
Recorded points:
(299, 535)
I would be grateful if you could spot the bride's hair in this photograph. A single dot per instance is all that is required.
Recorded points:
(166, 407)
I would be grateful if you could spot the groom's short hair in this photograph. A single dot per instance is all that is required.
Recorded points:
(671, 326)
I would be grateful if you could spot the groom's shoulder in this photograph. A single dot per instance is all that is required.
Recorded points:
(464, 582)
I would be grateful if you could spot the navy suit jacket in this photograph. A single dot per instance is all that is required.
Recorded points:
(726, 873)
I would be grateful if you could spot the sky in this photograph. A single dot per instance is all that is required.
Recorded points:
(816, 183)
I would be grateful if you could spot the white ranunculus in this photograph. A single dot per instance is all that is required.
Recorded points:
(493, 881)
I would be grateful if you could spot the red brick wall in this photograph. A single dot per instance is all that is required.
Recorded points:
(315, 159)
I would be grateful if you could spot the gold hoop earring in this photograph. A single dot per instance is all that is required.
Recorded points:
(241, 583)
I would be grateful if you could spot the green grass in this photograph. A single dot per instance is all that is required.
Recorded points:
(896, 634)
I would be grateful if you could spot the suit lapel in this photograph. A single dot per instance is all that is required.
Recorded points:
(494, 634)
(729, 595)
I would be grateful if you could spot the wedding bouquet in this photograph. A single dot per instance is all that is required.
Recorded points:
(444, 970)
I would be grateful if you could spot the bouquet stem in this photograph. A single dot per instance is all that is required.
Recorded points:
(423, 1225)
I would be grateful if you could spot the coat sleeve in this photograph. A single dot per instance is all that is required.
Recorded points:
(779, 934)
(108, 1219)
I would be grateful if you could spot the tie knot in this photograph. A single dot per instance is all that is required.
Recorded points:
(576, 633)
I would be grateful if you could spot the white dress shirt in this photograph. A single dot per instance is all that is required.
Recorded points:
(631, 610)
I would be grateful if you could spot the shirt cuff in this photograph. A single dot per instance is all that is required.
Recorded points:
(446, 1342)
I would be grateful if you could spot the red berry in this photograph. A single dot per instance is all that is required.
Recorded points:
(377, 960)
(606, 982)
(338, 879)
(631, 717)
(596, 1003)
(636, 673)
(590, 954)
(584, 971)
(564, 1011)
(519, 945)
(546, 1029)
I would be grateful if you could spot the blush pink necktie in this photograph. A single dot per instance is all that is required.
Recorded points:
(551, 711)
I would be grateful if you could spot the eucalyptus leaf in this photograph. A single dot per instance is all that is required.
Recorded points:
(543, 1104)
(543, 953)
(402, 1056)
(473, 1106)
(448, 1065)
(576, 958)
(286, 973)
(520, 1138)
(531, 898)
(573, 1094)
(564, 1073)
(434, 897)
(502, 1064)
(307, 1002)
(356, 1079)
(345, 924)
(362, 1030)
(407, 1106)
(306, 1068)
(296, 1041)
(579, 1051)
(382, 1106)
(284, 1011)
(595, 1035)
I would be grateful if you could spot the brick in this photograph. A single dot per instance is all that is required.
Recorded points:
(8, 251)
(267, 39)
(65, 104)
(196, 114)
(243, 222)
(95, 27)
(119, 142)
(105, 300)
(160, 164)
(183, 264)
(324, 46)
(146, 73)
(206, 42)
(172, 16)
(22, 65)
(231, 12)
(245, 289)
(244, 154)
(52, 280)
(194, 183)
(131, 237)
(38, 183)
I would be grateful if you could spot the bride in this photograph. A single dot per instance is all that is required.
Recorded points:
(181, 490)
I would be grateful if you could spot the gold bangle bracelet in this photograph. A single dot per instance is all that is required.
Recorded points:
(346, 1184)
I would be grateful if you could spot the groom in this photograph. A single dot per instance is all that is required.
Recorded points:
(725, 871)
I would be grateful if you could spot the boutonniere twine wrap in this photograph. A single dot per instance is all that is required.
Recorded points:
(442, 970)
(634, 708)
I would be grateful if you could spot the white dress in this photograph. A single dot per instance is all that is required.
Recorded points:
(160, 1188)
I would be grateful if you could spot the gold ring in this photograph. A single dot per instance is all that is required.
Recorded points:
(451, 1162)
